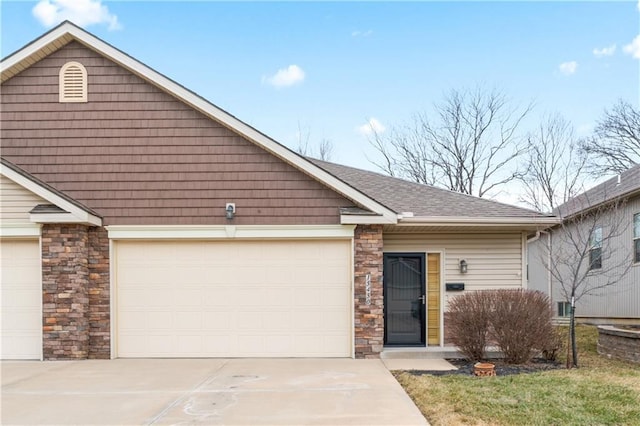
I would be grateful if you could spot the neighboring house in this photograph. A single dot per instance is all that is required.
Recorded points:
(140, 220)
(618, 256)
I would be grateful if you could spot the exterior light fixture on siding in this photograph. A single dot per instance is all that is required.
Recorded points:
(463, 266)
(230, 209)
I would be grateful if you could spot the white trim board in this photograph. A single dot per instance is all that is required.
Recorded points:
(20, 230)
(218, 232)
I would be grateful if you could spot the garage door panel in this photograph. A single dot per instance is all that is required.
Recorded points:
(278, 275)
(277, 298)
(187, 297)
(188, 320)
(332, 296)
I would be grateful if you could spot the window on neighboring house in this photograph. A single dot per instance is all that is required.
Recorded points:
(595, 252)
(73, 82)
(636, 237)
(564, 309)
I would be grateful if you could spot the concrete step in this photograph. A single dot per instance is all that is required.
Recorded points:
(440, 352)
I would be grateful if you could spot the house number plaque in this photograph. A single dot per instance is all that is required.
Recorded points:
(367, 289)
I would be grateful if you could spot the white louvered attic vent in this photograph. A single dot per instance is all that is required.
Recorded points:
(73, 82)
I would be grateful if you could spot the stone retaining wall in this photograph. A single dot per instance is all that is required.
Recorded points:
(619, 343)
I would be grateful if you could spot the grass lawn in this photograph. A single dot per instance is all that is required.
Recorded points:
(600, 392)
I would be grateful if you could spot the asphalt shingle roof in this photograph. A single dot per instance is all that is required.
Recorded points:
(606, 191)
(422, 200)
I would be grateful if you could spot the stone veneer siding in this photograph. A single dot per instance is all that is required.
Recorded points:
(75, 292)
(369, 318)
(65, 283)
(99, 296)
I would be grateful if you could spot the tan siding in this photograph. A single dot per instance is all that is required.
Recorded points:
(495, 260)
(16, 202)
(136, 155)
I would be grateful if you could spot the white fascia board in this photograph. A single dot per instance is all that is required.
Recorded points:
(215, 232)
(354, 219)
(210, 110)
(79, 215)
(20, 230)
(479, 221)
(34, 47)
(84, 219)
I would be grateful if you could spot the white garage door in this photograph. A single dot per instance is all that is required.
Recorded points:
(21, 299)
(234, 299)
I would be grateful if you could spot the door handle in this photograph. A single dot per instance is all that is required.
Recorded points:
(423, 298)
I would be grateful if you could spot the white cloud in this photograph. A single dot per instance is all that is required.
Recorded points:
(605, 51)
(370, 127)
(568, 68)
(80, 12)
(285, 77)
(358, 33)
(638, 4)
(633, 48)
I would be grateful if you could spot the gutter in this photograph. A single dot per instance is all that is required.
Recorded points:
(475, 221)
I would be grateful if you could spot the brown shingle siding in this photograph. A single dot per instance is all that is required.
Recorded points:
(138, 156)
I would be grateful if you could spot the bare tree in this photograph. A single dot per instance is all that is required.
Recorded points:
(585, 254)
(324, 150)
(303, 135)
(615, 145)
(554, 167)
(471, 145)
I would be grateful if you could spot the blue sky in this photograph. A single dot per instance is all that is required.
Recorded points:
(329, 68)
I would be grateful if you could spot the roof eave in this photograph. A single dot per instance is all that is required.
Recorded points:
(66, 217)
(624, 196)
(73, 212)
(366, 219)
(464, 221)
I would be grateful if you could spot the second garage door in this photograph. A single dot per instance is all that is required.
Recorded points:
(21, 300)
(234, 299)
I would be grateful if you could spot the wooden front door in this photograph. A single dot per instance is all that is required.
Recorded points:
(404, 299)
(433, 299)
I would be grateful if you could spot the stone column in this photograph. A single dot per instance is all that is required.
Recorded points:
(369, 303)
(99, 297)
(65, 283)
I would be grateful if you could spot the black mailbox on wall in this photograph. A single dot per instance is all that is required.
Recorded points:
(455, 286)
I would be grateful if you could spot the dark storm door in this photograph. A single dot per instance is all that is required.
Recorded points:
(404, 299)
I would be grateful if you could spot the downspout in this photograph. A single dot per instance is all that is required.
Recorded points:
(535, 238)
(549, 265)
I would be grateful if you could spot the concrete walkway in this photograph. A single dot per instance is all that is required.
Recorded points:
(204, 391)
(430, 364)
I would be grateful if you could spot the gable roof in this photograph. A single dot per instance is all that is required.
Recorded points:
(422, 203)
(383, 199)
(626, 184)
(67, 32)
(67, 210)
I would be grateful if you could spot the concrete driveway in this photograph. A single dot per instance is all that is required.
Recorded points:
(204, 391)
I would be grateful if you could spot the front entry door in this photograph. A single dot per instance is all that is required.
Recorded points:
(404, 299)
